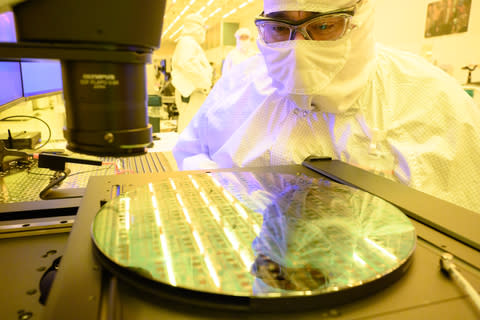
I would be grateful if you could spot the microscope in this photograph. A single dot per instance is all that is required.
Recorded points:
(103, 47)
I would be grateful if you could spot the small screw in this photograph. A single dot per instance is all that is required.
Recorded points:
(109, 137)
(24, 315)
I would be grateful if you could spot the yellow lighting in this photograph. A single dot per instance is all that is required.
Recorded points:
(246, 259)
(201, 10)
(173, 34)
(157, 218)
(211, 270)
(214, 12)
(187, 216)
(215, 181)
(241, 211)
(195, 184)
(166, 253)
(174, 21)
(204, 198)
(154, 202)
(185, 9)
(231, 237)
(381, 249)
(215, 213)
(198, 241)
(209, 2)
(179, 198)
(230, 13)
(125, 203)
(125, 206)
(359, 260)
(242, 5)
(256, 228)
(150, 187)
(228, 196)
(127, 220)
(173, 184)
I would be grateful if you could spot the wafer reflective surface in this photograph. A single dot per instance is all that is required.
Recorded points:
(254, 234)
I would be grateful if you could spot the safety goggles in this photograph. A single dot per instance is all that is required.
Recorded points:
(325, 26)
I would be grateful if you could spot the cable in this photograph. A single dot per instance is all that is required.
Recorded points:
(449, 268)
(40, 174)
(56, 180)
(93, 170)
(36, 118)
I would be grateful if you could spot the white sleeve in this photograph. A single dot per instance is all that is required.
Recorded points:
(191, 150)
(199, 161)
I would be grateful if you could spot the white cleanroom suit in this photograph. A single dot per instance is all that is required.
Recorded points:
(243, 50)
(377, 108)
(191, 71)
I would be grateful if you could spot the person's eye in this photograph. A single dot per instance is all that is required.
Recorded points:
(323, 27)
(279, 29)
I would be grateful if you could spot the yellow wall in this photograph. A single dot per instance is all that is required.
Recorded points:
(401, 24)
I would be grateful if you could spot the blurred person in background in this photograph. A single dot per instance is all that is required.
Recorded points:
(191, 70)
(243, 50)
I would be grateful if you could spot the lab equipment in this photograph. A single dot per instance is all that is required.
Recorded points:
(255, 196)
(103, 65)
(207, 234)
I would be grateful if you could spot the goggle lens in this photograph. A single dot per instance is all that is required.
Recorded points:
(327, 28)
(324, 28)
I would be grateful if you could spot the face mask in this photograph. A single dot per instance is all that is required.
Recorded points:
(304, 67)
(243, 44)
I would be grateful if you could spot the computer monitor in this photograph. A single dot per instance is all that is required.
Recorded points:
(10, 72)
(7, 27)
(38, 77)
(41, 77)
(10, 83)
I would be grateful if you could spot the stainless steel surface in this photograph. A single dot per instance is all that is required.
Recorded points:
(27, 227)
(422, 293)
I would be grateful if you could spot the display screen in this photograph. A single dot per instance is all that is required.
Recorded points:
(7, 27)
(10, 75)
(10, 82)
(42, 76)
(38, 77)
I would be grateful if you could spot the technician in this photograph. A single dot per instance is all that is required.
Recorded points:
(191, 71)
(322, 86)
(243, 50)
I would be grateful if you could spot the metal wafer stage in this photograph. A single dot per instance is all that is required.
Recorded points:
(279, 242)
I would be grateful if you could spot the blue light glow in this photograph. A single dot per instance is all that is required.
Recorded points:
(10, 81)
(10, 77)
(7, 27)
(41, 77)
